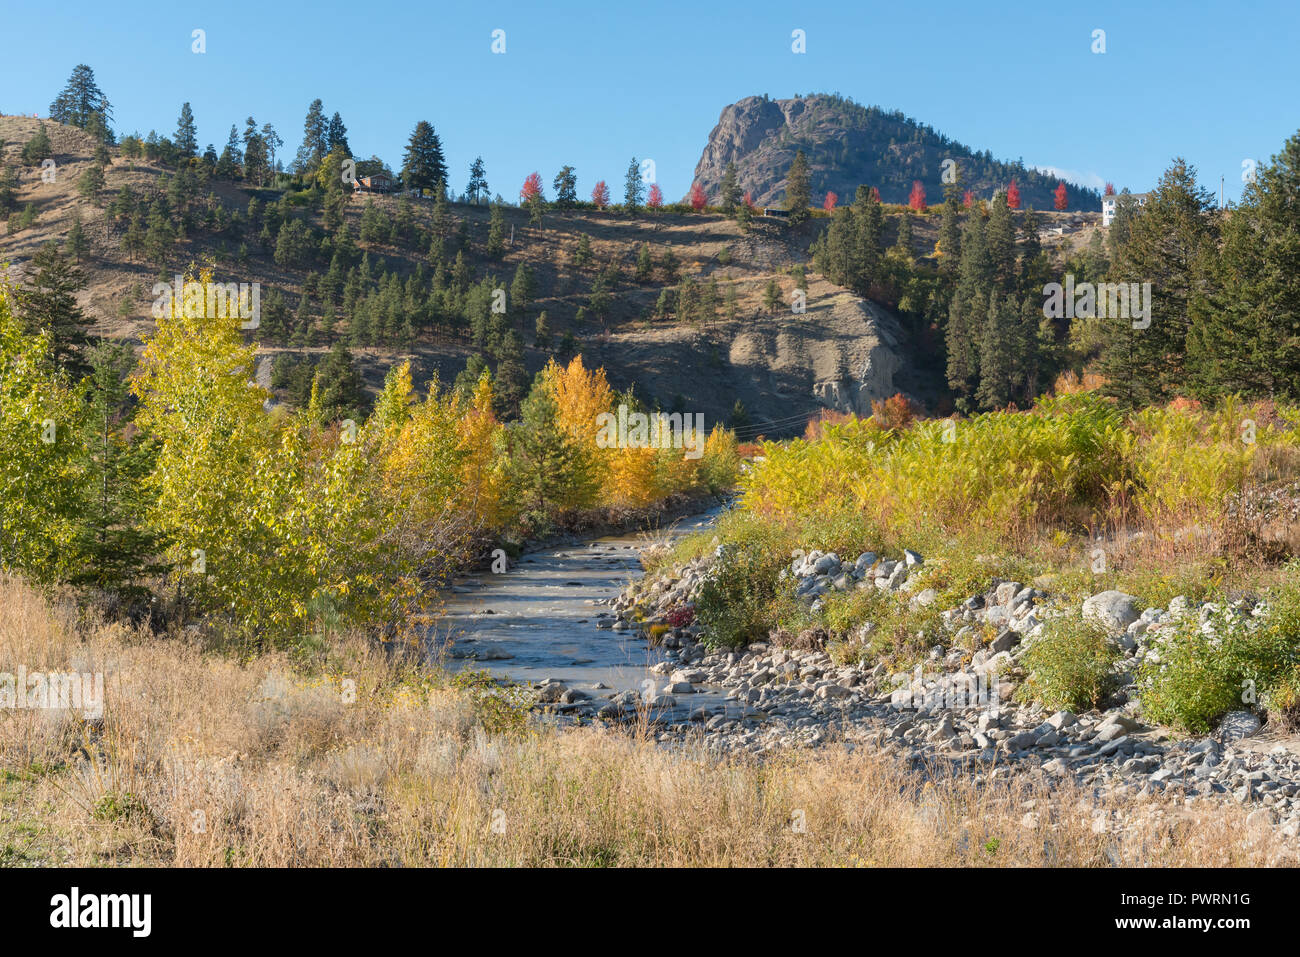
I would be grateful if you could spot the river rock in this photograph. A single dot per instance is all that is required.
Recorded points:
(1114, 609)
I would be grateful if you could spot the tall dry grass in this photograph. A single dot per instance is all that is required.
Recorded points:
(359, 758)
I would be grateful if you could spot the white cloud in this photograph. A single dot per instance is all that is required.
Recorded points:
(1086, 180)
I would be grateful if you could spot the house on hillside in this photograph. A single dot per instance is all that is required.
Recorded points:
(375, 183)
(1110, 203)
(775, 213)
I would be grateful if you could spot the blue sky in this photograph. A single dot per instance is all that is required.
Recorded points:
(593, 84)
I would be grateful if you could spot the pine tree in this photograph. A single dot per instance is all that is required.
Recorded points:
(633, 188)
(1000, 233)
(550, 469)
(730, 190)
(231, 157)
(1245, 333)
(542, 331)
(91, 182)
(315, 139)
(115, 547)
(37, 148)
(47, 301)
(339, 389)
(496, 244)
(186, 138)
(566, 188)
(478, 184)
(336, 137)
(76, 245)
(1168, 246)
(798, 190)
(772, 296)
(423, 164)
(950, 230)
(82, 104)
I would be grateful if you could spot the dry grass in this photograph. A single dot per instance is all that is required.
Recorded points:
(204, 760)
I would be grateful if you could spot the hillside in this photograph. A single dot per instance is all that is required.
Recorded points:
(847, 146)
(841, 353)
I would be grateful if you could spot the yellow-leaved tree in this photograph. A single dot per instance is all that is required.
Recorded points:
(42, 458)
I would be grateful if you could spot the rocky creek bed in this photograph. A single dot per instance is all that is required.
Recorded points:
(956, 709)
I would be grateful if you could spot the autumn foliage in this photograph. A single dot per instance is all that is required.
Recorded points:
(698, 199)
(1060, 199)
(916, 200)
(1013, 196)
(655, 198)
(600, 195)
(968, 199)
(831, 200)
(896, 412)
(532, 188)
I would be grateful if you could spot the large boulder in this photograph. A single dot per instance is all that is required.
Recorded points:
(1114, 609)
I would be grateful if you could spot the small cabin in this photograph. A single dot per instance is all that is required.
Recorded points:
(375, 183)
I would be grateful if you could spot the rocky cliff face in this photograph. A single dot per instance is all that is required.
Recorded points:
(849, 145)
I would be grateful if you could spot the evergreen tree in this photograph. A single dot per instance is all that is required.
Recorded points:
(798, 190)
(91, 182)
(76, 245)
(340, 393)
(634, 188)
(1000, 234)
(950, 230)
(550, 470)
(83, 104)
(232, 157)
(730, 190)
(186, 138)
(47, 301)
(1245, 333)
(1168, 246)
(496, 244)
(478, 184)
(566, 188)
(423, 164)
(37, 148)
(336, 137)
(315, 138)
(114, 546)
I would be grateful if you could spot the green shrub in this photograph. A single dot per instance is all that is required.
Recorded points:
(741, 599)
(1197, 677)
(1193, 681)
(1070, 665)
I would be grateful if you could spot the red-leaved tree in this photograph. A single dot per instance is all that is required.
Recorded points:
(1110, 189)
(917, 199)
(698, 199)
(655, 199)
(532, 187)
(1013, 196)
(831, 200)
(600, 195)
(968, 199)
(875, 193)
(1061, 201)
(749, 199)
